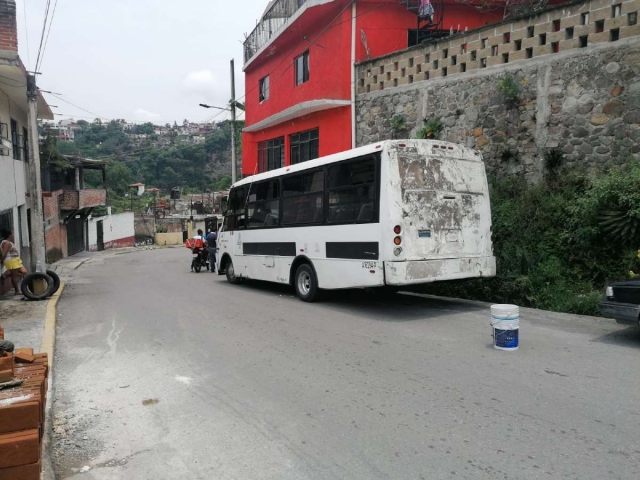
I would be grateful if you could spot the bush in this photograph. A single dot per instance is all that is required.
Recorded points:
(555, 246)
(430, 130)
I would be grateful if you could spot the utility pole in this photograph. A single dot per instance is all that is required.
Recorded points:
(233, 123)
(38, 253)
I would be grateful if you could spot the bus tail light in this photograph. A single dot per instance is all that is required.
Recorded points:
(397, 229)
(397, 241)
(397, 251)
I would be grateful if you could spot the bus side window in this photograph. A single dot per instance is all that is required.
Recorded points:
(303, 198)
(351, 196)
(264, 204)
(234, 219)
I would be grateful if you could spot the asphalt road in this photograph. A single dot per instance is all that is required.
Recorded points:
(165, 374)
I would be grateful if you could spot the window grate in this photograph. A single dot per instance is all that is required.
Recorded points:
(264, 88)
(305, 146)
(302, 68)
(271, 154)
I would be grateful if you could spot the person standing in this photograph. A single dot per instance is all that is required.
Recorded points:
(212, 239)
(426, 10)
(10, 257)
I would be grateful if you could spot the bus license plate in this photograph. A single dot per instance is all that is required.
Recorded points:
(424, 233)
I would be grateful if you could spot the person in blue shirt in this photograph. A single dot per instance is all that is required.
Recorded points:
(212, 238)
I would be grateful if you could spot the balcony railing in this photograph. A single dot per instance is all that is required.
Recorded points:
(75, 200)
(273, 21)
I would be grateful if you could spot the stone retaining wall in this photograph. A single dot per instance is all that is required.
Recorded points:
(582, 101)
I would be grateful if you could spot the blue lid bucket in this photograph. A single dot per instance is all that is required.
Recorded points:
(505, 325)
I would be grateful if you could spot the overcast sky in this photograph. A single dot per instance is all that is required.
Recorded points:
(142, 60)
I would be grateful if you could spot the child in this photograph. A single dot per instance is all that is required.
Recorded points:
(10, 257)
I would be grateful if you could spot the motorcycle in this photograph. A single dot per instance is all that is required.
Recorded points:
(199, 254)
(200, 258)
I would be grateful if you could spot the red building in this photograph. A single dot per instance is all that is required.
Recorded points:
(299, 69)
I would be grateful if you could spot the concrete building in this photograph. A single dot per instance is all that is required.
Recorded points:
(300, 69)
(111, 231)
(68, 205)
(15, 205)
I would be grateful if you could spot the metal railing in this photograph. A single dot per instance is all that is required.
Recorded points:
(271, 23)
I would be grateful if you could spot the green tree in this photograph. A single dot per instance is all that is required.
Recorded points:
(118, 177)
(223, 183)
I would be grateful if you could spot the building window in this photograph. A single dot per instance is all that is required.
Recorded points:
(302, 68)
(15, 144)
(25, 144)
(271, 154)
(304, 146)
(6, 220)
(264, 89)
(19, 232)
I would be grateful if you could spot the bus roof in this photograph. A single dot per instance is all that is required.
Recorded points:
(467, 154)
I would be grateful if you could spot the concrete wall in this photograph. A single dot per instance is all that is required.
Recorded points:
(144, 227)
(55, 232)
(118, 231)
(584, 101)
(169, 239)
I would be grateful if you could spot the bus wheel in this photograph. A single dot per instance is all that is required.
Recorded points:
(231, 274)
(306, 283)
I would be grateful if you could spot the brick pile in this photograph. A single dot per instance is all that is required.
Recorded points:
(22, 413)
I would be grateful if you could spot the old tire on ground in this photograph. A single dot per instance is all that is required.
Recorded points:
(231, 273)
(56, 282)
(26, 287)
(306, 283)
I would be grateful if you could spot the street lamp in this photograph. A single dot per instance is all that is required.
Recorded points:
(204, 105)
(233, 104)
(232, 108)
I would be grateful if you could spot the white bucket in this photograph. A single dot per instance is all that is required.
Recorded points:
(505, 324)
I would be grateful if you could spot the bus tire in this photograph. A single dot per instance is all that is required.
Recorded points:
(231, 273)
(56, 282)
(27, 282)
(306, 283)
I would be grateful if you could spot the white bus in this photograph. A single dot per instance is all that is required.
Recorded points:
(394, 213)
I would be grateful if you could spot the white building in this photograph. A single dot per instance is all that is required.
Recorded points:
(15, 206)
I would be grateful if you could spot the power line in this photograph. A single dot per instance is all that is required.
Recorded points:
(53, 14)
(44, 29)
(74, 116)
(83, 109)
(26, 30)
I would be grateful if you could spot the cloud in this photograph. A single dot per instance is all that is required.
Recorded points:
(142, 114)
(202, 82)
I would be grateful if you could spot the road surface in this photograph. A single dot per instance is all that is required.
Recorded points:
(165, 374)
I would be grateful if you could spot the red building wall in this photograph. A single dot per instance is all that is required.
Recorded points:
(386, 25)
(326, 31)
(334, 135)
(329, 74)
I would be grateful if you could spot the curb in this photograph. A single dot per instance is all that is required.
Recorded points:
(47, 346)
